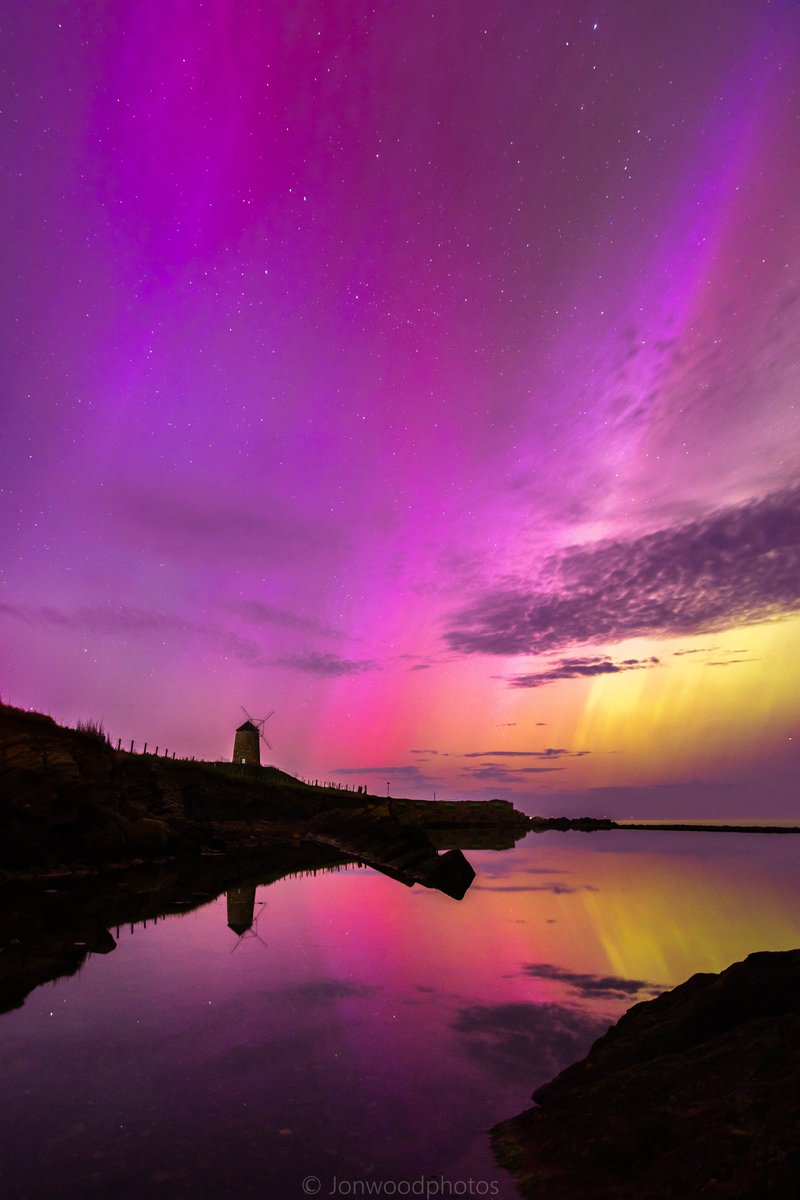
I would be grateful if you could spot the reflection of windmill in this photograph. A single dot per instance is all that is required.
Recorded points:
(247, 743)
(241, 902)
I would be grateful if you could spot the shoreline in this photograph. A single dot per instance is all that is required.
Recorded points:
(72, 803)
(692, 1093)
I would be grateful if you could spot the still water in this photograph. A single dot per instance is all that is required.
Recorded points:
(360, 1035)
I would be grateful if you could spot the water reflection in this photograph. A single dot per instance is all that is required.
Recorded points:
(241, 908)
(382, 1033)
(47, 933)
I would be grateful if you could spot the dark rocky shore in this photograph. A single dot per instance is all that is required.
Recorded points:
(693, 1094)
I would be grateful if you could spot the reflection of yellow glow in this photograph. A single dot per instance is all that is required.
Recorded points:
(666, 923)
(641, 915)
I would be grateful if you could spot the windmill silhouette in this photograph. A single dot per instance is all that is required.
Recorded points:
(247, 743)
(242, 917)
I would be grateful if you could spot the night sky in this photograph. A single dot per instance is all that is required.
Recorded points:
(426, 372)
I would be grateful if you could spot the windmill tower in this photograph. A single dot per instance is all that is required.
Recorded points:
(241, 903)
(247, 743)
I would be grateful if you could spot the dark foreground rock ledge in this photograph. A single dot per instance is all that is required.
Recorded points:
(693, 1094)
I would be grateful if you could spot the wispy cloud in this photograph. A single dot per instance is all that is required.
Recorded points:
(581, 668)
(325, 992)
(550, 752)
(125, 622)
(526, 1042)
(736, 566)
(218, 527)
(260, 613)
(730, 662)
(607, 986)
(327, 665)
(407, 772)
(494, 773)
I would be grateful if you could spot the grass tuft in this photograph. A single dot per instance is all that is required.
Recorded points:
(93, 729)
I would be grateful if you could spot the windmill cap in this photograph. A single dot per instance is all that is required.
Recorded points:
(249, 726)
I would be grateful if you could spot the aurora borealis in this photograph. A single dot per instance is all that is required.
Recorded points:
(427, 373)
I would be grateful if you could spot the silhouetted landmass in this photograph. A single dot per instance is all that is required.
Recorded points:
(695, 1093)
(694, 827)
(583, 824)
(593, 824)
(69, 799)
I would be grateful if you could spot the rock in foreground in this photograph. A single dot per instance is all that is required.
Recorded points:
(693, 1094)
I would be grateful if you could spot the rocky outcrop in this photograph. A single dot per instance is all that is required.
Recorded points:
(373, 836)
(693, 1094)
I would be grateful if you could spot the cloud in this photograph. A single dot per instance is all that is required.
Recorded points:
(551, 752)
(324, 992)
(328, 665)
(217, 527)
(730, 662)
(410, 772)
(495, 773)
(611, 987)
(526, 1043)
(735, 566)
(581, 668)
(268, 614)
(121, 621)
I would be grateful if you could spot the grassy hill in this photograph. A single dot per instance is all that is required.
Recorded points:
(69, 796)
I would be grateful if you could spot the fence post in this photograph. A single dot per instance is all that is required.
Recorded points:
(131, 745)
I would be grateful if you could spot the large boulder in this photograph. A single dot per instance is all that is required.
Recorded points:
(693, 1094)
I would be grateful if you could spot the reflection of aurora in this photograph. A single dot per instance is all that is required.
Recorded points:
(386, 1024)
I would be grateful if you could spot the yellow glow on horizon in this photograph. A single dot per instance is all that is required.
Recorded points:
(687, 717)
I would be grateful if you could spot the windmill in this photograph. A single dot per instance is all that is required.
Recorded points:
(247, 743)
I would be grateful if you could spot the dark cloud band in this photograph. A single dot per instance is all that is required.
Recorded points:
(736, 566)
(581, 668)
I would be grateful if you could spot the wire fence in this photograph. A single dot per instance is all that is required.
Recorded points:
(233, 768)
